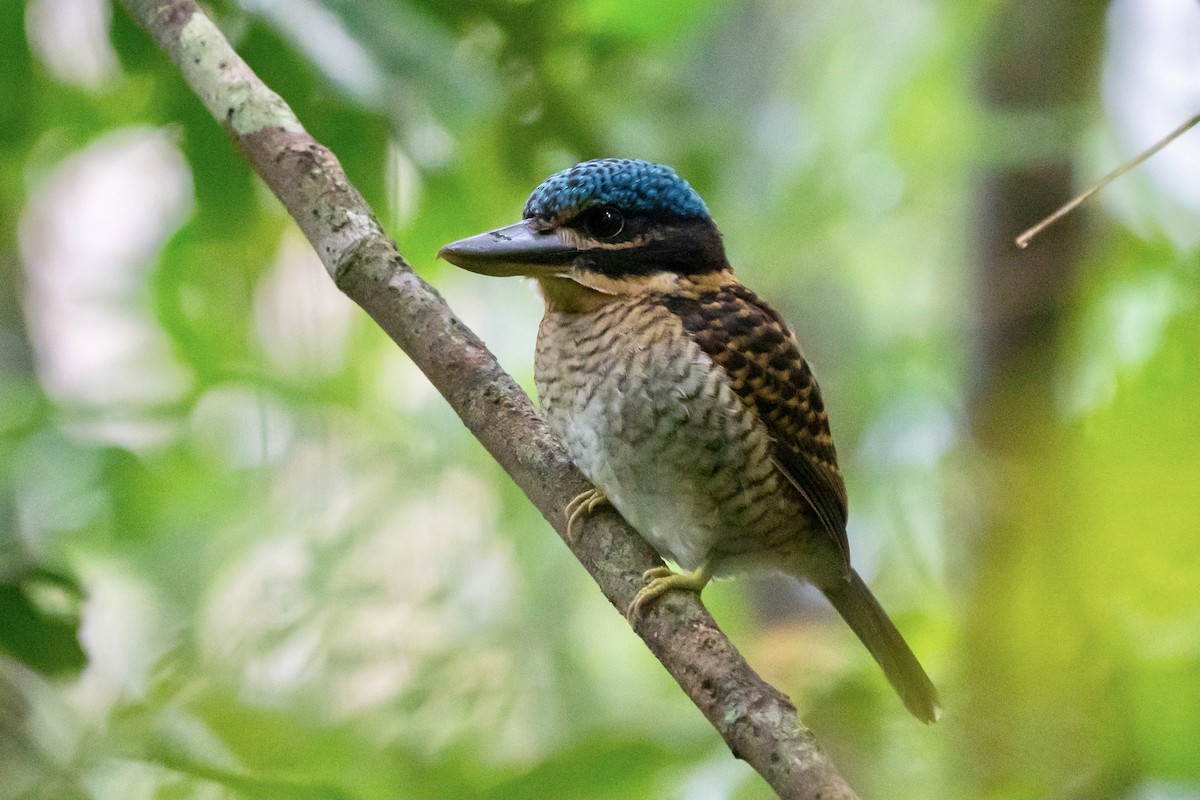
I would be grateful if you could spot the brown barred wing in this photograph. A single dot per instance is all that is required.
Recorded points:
(755, 347)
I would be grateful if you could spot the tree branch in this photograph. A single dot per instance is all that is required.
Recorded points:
(757, 721)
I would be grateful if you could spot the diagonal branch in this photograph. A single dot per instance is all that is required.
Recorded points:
(757, 721)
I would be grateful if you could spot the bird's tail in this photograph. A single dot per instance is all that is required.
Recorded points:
(854, 601)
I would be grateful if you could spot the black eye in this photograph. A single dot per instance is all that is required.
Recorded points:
(604, 222)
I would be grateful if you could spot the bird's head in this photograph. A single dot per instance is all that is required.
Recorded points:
(615, 226)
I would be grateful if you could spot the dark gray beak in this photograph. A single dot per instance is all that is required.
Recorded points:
(519, 249)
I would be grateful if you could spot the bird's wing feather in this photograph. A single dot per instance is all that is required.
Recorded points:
(752, 343)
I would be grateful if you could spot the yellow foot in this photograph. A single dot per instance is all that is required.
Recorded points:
(660, 580)
(580, 507)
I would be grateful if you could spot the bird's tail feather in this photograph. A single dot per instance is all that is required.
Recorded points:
(854, 601)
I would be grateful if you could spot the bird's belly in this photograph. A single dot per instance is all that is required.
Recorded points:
(651, 480)
(655, 425)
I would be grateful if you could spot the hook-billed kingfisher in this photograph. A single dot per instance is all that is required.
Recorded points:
(682, 396)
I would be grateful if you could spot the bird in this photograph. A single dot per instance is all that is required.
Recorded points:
(682, 396)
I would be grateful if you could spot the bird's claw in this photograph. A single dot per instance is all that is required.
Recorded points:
(582, 505)
(655, 573)
(659, 580)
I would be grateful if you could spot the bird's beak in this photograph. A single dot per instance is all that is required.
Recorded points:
(519, 249)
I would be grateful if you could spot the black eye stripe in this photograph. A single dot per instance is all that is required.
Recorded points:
(687, 247)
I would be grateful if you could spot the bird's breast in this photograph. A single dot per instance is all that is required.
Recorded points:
(651, 420)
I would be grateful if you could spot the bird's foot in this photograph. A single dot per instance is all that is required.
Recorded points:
(583, 504)
(660, 580)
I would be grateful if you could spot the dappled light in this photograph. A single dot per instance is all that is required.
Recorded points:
(247, 550)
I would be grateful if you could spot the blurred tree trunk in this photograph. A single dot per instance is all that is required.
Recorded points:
(1038, 677)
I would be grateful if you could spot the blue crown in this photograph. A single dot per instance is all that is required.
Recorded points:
(625, 183)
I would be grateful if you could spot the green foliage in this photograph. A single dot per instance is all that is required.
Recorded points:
(245, 551)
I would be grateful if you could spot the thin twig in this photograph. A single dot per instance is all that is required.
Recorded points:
(757, 721)
(1024, 239)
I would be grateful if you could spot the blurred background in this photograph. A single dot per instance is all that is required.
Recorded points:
(247, 552)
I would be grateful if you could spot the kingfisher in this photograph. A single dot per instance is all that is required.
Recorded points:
(682, 396)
